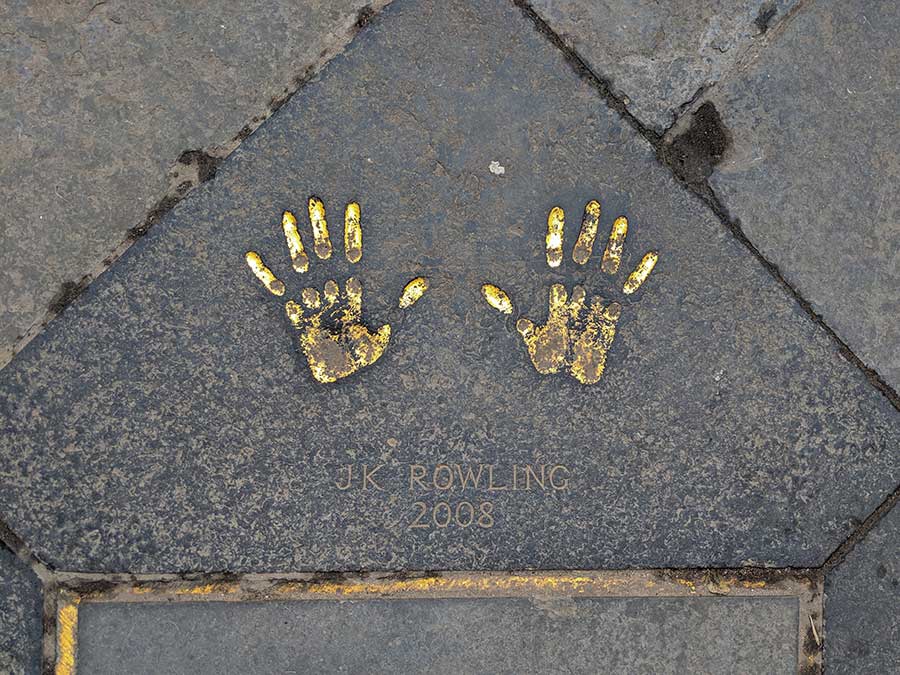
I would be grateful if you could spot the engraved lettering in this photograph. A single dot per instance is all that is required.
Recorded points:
(491, 486)
(416, 474)
(417, 523)
(369, 477)
(349, 469)
(470, 475)
(529, 474)
(448, 484)
(563, 482)
(441, 522)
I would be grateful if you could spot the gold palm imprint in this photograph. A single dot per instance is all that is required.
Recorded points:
(578, 334)
(332, 336)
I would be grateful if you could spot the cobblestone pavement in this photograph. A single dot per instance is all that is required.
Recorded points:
(711, 405)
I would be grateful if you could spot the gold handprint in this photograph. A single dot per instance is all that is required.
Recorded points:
(332, 336)
(576, 337)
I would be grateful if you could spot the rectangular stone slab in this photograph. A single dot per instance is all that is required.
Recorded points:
(656, 56)
(168, 421)
(863, 594)
(812, 177)
(500, 635)
(21, 613)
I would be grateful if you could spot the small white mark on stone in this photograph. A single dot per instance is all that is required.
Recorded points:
(496, 168)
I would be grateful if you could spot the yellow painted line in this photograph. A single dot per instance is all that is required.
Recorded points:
(208, 589)
(452, 584)
(66, 637)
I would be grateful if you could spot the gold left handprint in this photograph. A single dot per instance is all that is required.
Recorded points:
(332, 336)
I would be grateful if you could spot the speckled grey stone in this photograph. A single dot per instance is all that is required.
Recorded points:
(657, 55)
(862, 596)
(167, 421)
(20, 617)
(503, 635)
(813, 171)
(98, 100)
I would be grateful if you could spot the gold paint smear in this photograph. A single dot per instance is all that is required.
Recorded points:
(548, 344)
(321, 242)
(352, 233)
(294, 313)
(497, 298)
(413, 291)
(66, 640)
(585, 244)
(310, 297)
(556, 223)
(592, 346)
(640, 273)
(264, 274)
(336, 350)
(612, 256)
(299, 259)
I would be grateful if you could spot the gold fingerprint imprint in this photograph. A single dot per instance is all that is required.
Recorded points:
(333, 337)
(578, 333)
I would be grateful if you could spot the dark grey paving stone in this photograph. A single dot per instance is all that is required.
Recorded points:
(657, 55)
(168, 422)
(813, 170)
(20, 616)
(508, 635)
(862, 595)
(98, 100)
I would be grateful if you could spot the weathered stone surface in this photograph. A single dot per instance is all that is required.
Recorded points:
(20, 617)
(813, 170)
(657, 55)
(100, 98)
(862, 595)
(501, 635)
(167, 421)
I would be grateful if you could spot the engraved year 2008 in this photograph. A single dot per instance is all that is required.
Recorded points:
(459, 514)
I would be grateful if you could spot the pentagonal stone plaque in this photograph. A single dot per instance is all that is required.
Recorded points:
(180, 416)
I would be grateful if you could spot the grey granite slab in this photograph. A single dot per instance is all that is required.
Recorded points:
(98, 101)
(167, 421)
(20, 617)
(657, 55)
(862, 597)
(812, 173)
(501, 635)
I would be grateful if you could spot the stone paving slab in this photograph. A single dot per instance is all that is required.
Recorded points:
(813, 168)
(862, 599)
(657, 55)
(20, 616)
(167, 421)
(500, 635)
(100, 98)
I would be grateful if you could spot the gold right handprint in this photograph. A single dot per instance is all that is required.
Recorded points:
(578, 335)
